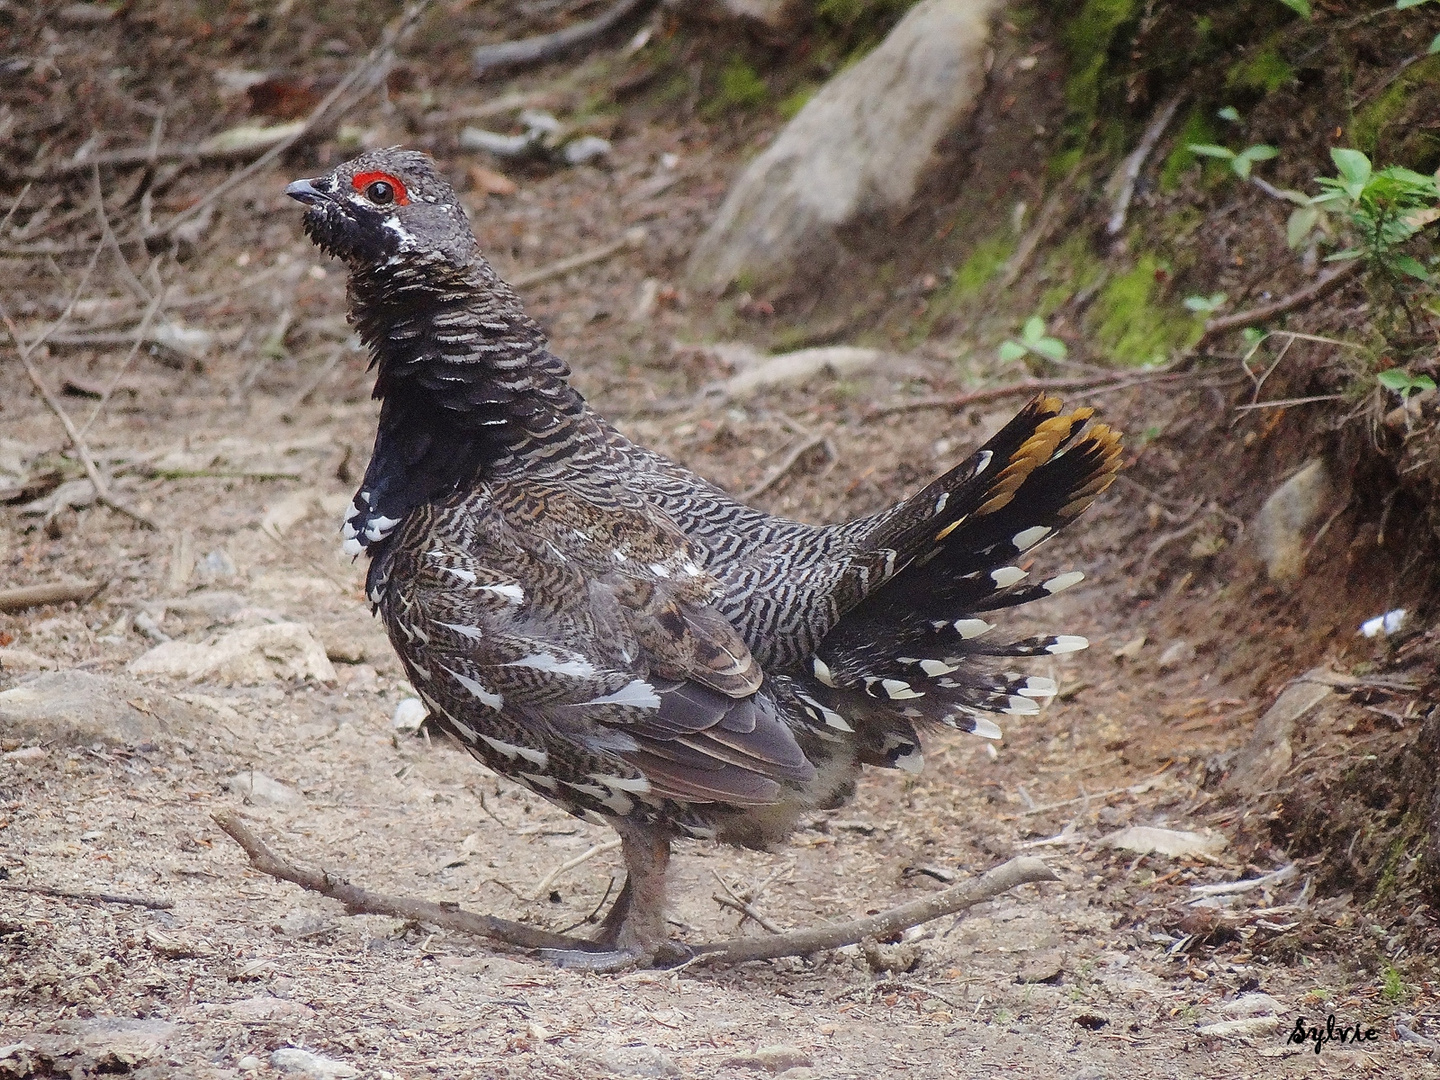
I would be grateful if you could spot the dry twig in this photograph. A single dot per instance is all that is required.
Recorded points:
(371, 72)
(1123, 182)
(633, 238)
(1046, 223)
(89, 897)
(571, 864)
(77, 440)
(1322, 286)
(545, 47)
(360, 901)
(788, 462)
(58, 592)
(1114, 380)
(744, 903)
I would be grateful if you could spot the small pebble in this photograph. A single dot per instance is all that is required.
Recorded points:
(249, 1063)
(408, 715)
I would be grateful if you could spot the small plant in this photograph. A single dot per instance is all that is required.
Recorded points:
(1403, 383)
(1229, 112)
(1033, 339)
(1385, 207)
(1394, 990)
(1206, 305)
(1241, 163)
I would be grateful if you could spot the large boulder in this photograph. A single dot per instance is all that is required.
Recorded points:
(858, 150)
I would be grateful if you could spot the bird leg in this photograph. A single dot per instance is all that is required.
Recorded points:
(633, 932)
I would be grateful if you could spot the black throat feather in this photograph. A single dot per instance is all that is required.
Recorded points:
(466, 379)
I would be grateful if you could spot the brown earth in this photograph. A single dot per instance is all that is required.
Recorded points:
(1108, 972)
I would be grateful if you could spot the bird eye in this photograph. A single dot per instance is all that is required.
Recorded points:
(380, 193)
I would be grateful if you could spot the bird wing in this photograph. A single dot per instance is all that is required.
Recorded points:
(575, 637)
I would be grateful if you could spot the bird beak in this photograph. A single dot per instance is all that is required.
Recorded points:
(306, 192)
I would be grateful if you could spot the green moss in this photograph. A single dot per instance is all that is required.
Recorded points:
(1131, 323)
(741, 87)
(1198, 129)
(1265, 70)
(796, 100)
(1088, 38)
(983, 263)
(1389, 113)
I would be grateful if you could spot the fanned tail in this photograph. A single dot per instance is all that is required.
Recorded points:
(918, 641)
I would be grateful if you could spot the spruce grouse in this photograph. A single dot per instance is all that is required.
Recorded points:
(624, 638)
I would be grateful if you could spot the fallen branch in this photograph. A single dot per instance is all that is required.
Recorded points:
(1018, 871)
(1123, 182)
(1322, 286)
(89, 897)
(1045, 223)
(371, 71)
(633, 238)
(210, 151)
(1111, 381)
(28, 596)
(788, 462)
(546, 47)
(360, 901)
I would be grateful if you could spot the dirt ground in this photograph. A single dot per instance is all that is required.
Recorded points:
(244, 448)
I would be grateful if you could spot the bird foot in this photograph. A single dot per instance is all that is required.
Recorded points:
(598, 960)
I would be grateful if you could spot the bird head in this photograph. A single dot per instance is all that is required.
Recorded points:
(384, 204)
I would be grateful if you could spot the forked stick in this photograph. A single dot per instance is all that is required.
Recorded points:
(1021, 870)
(359, 901)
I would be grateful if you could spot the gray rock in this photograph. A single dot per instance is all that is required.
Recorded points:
(1282, 528)
(303, 1063)
(77, 708)
(1251, 1005)
(636, 1061)
(262, 790)
(773, 1059)
(1268, 755)
(256, 654)
(858, 150)
(1177, 843)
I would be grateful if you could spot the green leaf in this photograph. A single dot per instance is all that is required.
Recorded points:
(1300, 7)
(1229, 112)
(1302, 221)
(1353, 165)
(1252, 335)
(1434, 46)
(1011, 351)
(1401, 5)
(1050, 348)
(1408, 264)
(1206, 304)
(1210, 150)
(1241, 166)
(1424, 382)
(1397, 379)
(1260, 152)
(1033, 330)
